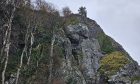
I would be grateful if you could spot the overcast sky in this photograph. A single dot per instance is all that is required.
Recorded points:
(119, 19)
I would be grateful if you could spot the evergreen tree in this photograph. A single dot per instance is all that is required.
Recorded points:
(82, 11)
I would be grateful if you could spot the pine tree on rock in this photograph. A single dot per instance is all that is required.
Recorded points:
(82, 11)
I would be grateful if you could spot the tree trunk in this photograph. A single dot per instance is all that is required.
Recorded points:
(22, 55)
(20, 66)
(6, 45)
(51, 59)
(30, 50)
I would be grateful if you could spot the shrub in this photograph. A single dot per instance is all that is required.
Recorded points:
(72, 21)
(111, 63)
(105, 43)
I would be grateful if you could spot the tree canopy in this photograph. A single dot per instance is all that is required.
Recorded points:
(82, 11)
(66, 11)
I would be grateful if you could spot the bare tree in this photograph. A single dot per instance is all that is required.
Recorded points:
(51, 59)
(55, 22)
(44, 6)
(24, 52)
(30, 20)
(66, 11)
(30, 49)
(9, 15)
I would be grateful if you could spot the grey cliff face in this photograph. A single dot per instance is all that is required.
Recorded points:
(86, 53)
(126, 74)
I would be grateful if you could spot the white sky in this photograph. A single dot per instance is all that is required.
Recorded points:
(119, 19)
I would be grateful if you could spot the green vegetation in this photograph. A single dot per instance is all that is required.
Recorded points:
(111, 63)
(83, 11)
(32, 31)
(71, 81)
(105, 43)
(81, 56)
(37, 52)
(66, 11)
(78, 57)
(136, 78)
(59, 51)
(72, 21)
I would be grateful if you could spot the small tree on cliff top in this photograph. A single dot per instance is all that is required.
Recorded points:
(82, 11)
(66, 11)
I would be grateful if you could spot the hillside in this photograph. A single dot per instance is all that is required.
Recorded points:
(38, 46)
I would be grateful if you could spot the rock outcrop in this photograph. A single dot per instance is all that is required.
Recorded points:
(83, 55)
(85, 51)
(79, 47)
